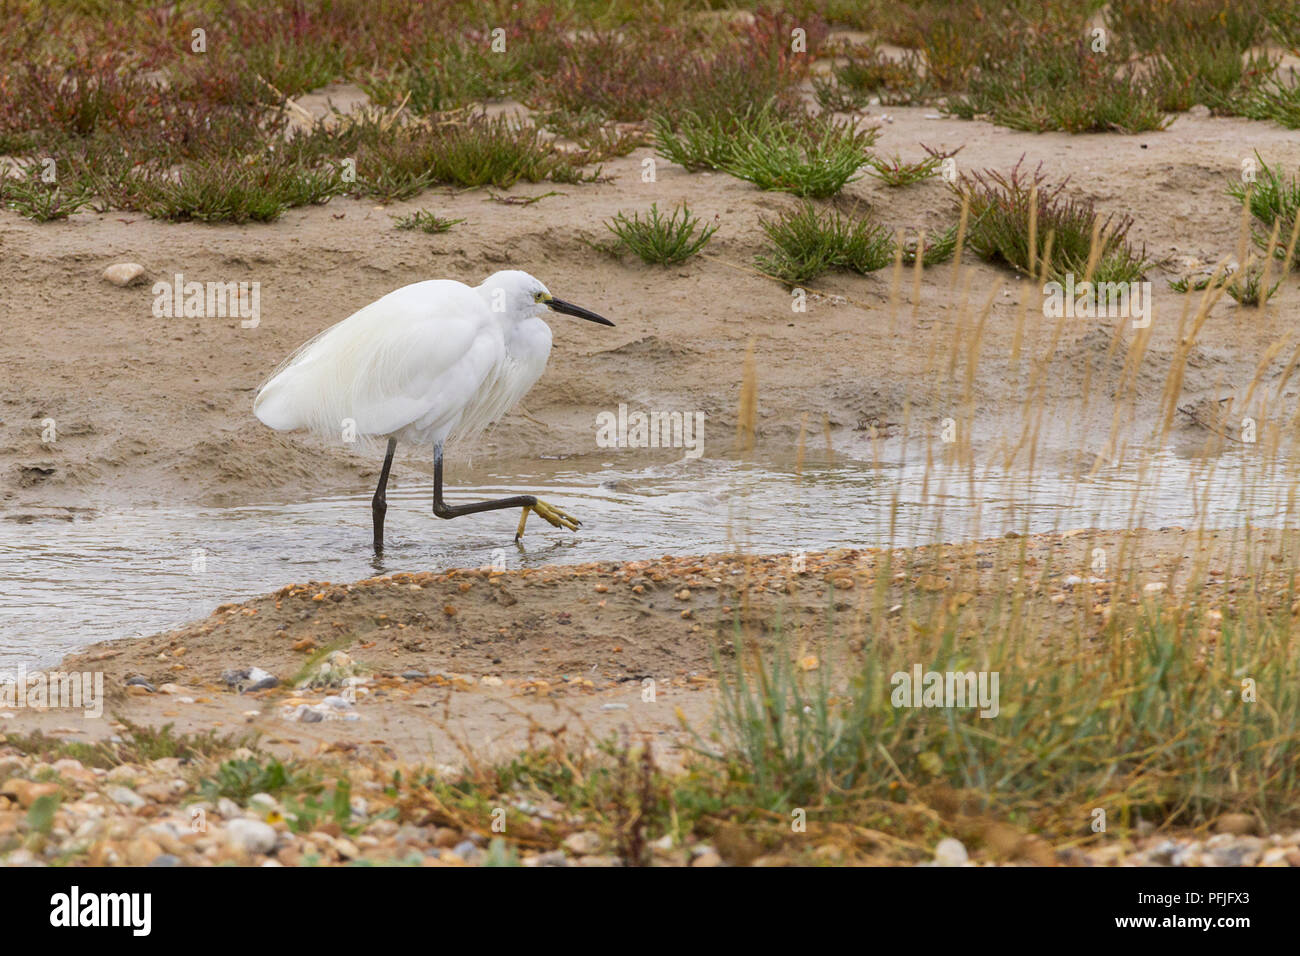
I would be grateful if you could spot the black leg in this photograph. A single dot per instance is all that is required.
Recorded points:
(444, 510)
(379, 504)
(528, 502)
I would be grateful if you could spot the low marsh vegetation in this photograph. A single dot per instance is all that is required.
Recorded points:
(660, 239)
(1018, 218)
(1273, 198)
(807, 241)
(149, 126)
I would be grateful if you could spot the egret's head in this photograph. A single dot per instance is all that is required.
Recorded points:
(521, 295)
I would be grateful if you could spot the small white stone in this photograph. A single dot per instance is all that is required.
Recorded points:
(253, 836)
(126, 797)
(263, 802)
(950, 852)
(124, 273)
(582, 843)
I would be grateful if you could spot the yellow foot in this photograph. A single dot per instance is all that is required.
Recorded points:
(549, 513)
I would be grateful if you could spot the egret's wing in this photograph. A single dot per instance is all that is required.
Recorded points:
(430, 383)
(415, 356)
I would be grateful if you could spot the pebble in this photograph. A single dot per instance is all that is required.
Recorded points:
(27, 792)
(124, 273)
(1163, 853)
(263, 803)
(259, 679)
(1274, 856)
(1222, 849)
(445, 837)
(1074, 579)
(73, 771)
(331, 708)
(248, 679)
(126, 797)
(950, 852)
(467, 851)
(251, 836)
(142, 852)
(124, 773)
(583, 843)
(1245, 851)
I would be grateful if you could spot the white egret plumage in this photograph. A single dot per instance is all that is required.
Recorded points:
(426, 363)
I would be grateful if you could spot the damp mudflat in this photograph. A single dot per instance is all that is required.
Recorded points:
(69, 583)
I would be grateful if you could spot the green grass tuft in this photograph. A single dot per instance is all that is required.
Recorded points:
(813, 160)
(660, 239)
(895, 172)
(698, 142)
(1274, 100)
(1247, 286)
(806, 243)
(425, 221)
(29, 196)
(1273, 199)
(230, 190)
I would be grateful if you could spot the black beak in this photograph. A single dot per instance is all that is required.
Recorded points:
(577, 311)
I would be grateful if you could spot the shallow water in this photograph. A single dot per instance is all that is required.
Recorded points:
(71, 583)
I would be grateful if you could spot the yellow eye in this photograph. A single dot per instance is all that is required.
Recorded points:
(539, 296)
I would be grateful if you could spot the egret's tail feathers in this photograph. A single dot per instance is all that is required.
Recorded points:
(275, 408)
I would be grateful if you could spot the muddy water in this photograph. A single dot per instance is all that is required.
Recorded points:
(70, 583)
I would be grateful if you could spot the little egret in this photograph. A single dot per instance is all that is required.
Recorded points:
(425, 363)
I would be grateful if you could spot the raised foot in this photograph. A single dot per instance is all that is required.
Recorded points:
(557, 517)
